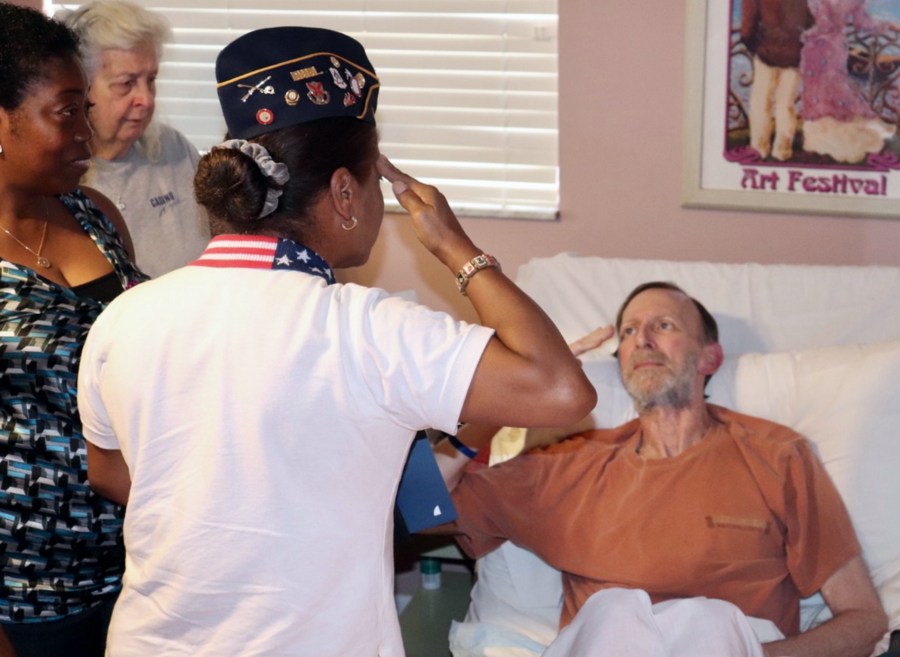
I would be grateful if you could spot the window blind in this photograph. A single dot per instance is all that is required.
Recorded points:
(468, 100)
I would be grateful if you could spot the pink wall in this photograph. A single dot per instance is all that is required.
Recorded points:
(620, 167)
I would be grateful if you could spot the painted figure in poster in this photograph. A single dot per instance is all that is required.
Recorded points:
(836, 120)
(771, 30)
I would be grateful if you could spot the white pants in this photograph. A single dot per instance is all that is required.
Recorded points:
(773, 115)
(623, 623)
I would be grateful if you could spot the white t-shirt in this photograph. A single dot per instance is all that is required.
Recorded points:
(265, 418)
(167, 226)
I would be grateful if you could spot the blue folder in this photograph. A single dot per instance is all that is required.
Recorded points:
(422, 498)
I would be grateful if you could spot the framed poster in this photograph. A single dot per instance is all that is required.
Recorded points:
(805, 122)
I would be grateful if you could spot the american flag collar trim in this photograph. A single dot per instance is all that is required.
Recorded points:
(257, 252)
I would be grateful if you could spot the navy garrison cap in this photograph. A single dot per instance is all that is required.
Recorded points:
(281, 76)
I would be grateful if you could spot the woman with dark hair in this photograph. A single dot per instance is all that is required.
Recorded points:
(255, 414)
(63, 255)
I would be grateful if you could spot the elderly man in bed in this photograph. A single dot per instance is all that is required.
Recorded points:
(678, 532)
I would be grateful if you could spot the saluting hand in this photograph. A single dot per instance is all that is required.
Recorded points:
(592, 340)
(435, 224)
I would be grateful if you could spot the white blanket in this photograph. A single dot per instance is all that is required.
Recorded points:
(624, 622)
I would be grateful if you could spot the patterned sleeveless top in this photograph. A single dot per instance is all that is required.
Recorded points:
(60, 543)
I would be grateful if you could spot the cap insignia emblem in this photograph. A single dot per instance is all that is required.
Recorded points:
(265, 116)
(253, 88)
(317, 93)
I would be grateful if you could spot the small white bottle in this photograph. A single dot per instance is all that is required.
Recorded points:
(431, 573)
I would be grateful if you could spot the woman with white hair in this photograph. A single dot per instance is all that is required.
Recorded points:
(145, 167)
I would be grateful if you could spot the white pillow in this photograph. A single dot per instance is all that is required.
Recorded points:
(846, 400)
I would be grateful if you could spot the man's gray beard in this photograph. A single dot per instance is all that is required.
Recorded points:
(674, 392)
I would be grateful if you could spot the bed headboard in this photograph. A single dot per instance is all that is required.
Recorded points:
(760, 308)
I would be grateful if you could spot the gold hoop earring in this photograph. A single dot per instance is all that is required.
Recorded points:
(354, 223)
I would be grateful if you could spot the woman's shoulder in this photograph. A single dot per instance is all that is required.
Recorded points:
(81, 199)
(401, 321)
(91, 201)
(173, 141)
(94, 209)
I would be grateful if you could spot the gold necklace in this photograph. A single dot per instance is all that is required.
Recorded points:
(41, 260)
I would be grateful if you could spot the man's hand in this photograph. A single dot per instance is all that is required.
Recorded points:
(857, 624)
(596, 338)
